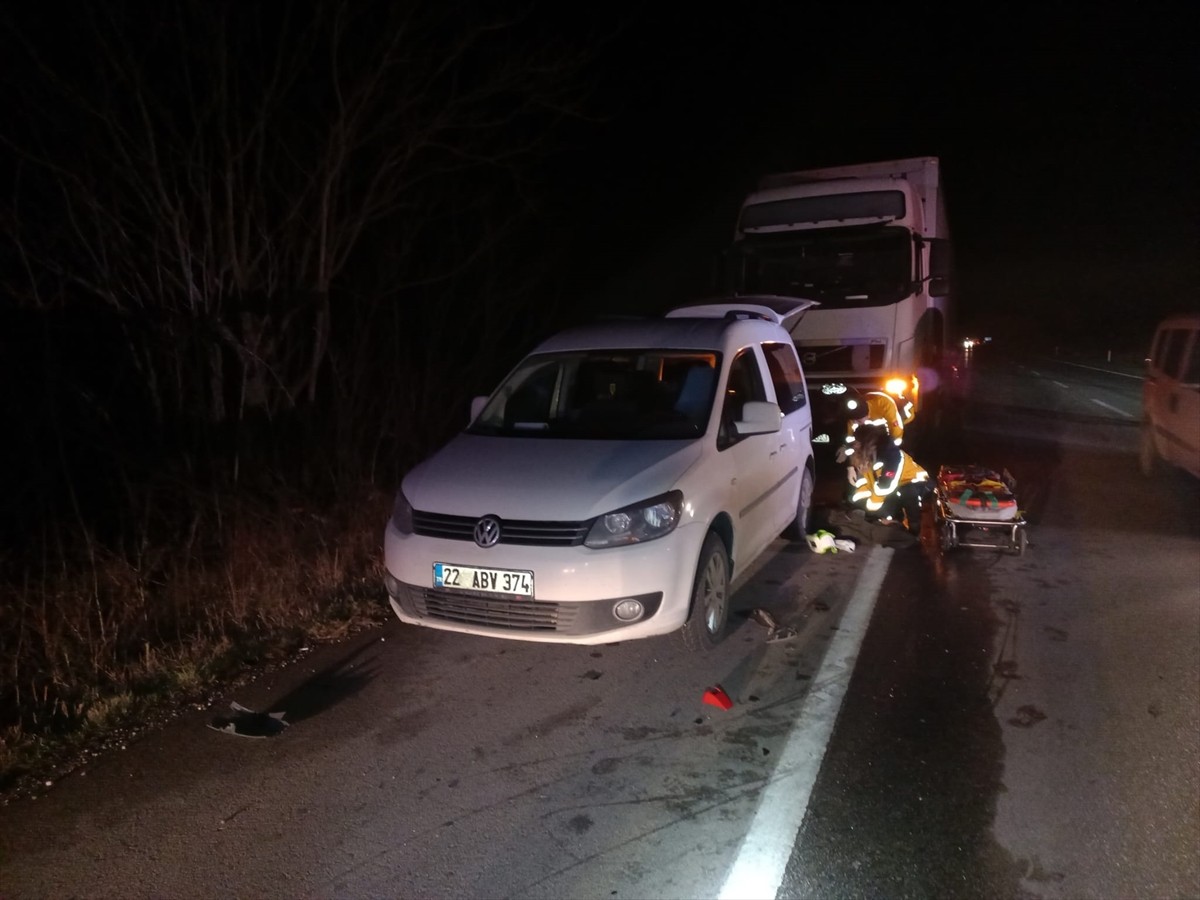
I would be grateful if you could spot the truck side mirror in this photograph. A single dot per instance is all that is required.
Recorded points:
(940, 267)
(720, 272)
(477, 405)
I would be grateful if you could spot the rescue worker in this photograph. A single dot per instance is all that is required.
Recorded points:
(890, 485)
(870, 408)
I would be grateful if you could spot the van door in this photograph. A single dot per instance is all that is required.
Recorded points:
(751, 462)
(795, 435)
(1180, 409)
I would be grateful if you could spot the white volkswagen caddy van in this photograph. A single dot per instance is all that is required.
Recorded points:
(614, 483)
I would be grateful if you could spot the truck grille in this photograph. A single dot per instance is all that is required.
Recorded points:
(494, 612)
(841, 357)
(512, 531)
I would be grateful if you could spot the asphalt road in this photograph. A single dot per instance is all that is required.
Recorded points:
(970, 723)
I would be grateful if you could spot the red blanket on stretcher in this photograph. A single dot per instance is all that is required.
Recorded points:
(977, 492)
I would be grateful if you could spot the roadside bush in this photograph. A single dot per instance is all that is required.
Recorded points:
(94, 636)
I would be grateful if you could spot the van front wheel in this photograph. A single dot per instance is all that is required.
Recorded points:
(1147, 454)
(705, 625)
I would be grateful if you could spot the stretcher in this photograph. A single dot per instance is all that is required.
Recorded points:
(975, 506)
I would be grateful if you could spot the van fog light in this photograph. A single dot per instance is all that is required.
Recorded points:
(392, 584)
(628, 610)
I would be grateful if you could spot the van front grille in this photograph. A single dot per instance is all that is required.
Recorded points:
(530, 533)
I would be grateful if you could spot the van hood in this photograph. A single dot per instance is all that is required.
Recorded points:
(545, 478)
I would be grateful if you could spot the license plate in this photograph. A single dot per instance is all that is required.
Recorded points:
(472, 578)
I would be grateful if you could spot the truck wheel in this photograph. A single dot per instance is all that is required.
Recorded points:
(1147, 453)
(799, 527)
(705, 626)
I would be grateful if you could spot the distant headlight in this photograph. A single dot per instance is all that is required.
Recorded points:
(402, 514)
(641, 522)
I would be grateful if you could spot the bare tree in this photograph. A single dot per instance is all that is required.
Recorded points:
(208, 171)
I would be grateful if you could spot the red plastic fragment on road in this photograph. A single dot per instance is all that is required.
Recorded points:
(716, 696)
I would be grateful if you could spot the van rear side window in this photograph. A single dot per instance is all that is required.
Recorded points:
(1168, 357)
(1191, 366)
(785, 373)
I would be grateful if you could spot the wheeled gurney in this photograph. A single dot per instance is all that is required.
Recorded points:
(975, 506)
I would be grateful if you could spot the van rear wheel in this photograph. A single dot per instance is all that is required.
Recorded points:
(798, 529)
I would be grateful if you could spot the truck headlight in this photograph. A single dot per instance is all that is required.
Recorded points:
(645, 521)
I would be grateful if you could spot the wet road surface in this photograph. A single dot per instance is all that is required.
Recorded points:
(1010, 727)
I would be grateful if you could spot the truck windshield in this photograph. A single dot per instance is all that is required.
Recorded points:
(845, 267)
(605, 395)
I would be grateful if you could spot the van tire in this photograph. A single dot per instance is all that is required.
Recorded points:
(709, 614)
(798, 529)
(1148, 460)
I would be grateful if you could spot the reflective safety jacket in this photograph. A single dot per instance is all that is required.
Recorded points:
(881, 410)
(893, 470)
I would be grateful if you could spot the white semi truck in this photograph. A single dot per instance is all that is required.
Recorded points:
(870, 243)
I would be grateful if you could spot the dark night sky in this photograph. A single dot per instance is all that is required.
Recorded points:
(1067, 134)
(1067, 143)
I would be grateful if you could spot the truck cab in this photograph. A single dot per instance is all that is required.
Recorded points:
(869, 243)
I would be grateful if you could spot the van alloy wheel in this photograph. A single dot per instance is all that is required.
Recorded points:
(1147, 453)
(705, 626)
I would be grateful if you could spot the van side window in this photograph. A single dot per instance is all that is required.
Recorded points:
(785, 375)
(1170, 357)
(745, 384)
(1191, 366)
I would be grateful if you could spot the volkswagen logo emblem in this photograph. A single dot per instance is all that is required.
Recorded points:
(487, 531)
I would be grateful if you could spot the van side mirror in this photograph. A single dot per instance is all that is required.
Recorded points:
(759, 417)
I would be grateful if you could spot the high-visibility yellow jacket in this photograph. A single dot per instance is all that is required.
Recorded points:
(893, 470)
(881, 410)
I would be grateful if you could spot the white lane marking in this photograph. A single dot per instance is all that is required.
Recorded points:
(767, 846)
(1065, 387)
(1105, 371)
(1111, 408)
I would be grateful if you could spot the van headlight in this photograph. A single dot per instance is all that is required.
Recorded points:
(645, 521)
(402, 514)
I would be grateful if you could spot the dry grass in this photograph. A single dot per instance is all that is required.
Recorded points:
(93, 639)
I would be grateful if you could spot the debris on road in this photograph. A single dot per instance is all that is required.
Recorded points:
(775, 631)
(716, 696)
(824, 541)
(248, 723)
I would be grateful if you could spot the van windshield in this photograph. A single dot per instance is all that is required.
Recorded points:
(605, 395)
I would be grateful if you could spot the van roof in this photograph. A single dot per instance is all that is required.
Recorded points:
(1180, 320)
(702, 326)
